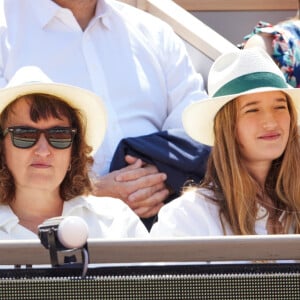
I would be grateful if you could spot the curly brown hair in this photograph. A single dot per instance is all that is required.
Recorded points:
(43, 106)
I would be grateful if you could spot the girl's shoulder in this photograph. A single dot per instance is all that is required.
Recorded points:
(194, 202)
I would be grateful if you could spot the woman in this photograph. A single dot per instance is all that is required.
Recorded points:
(48, 133)
(251, 183)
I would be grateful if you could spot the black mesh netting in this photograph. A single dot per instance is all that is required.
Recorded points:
(261, 281)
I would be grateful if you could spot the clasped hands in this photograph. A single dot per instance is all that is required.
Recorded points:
(140, 185)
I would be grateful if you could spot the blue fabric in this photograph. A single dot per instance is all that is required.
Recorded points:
(171, 151)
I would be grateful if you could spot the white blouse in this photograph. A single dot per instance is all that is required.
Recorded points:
(194, 215)
(106, 217)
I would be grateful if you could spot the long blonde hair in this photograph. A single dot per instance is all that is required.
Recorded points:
(236, 191)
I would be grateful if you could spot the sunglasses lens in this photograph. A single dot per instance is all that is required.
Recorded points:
(60, 138)
(24, 137)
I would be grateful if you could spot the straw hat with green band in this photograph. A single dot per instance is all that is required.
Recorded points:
(232, 75)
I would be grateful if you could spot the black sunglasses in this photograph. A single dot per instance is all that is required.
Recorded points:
(25, 137)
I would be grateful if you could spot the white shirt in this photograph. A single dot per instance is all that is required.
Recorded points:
(193, 215)
(134, 61)
(106, 217)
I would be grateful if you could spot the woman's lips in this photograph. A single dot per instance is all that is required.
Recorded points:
(270, 136)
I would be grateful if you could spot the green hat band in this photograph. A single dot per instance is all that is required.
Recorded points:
(251, 81)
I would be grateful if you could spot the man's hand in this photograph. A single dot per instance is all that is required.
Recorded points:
(140, 185)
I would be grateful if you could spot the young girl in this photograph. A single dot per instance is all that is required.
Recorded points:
(251, 183)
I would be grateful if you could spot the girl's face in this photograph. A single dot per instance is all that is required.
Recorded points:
(263, 126)
(41, 166)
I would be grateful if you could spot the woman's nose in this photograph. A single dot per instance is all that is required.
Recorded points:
(42, 146)
(269, 121)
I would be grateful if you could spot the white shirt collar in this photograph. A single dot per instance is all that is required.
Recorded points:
(8, 219)
(46, 10)
(78, 202)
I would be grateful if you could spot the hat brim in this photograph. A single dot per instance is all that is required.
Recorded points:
(198, 117)
(88, 103)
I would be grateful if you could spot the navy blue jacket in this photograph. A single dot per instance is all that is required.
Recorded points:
(172, 152)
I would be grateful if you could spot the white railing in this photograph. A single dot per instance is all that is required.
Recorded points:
(202, 249)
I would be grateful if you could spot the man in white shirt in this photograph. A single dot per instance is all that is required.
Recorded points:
(134, 61)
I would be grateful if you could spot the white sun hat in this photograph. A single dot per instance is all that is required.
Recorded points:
(233, 74)
(31, 79)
